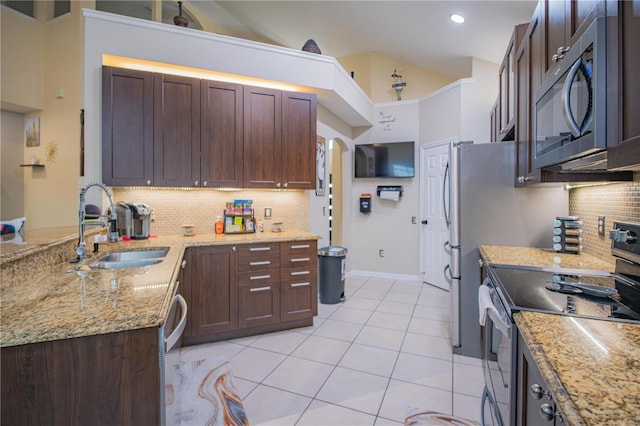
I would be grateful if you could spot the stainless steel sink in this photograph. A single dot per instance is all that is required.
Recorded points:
(130, 259)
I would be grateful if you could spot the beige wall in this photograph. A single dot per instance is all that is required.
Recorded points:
(619, 201)
(372, 72)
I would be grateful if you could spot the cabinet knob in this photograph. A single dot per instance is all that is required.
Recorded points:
(286, 184)
(523, 179)
(278, 185)
(233, 248)
(537, 391)
(547, 413)
(148, 181)
(196, 183)
(204, 183)
(555, 57)
(183, 264)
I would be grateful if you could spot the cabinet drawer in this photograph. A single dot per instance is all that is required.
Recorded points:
(258, 299)
(298, 293)
(298, 253)
(259, 278)
(256, 257)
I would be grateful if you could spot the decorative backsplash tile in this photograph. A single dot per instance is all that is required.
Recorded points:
(620, 201)
(172, 208)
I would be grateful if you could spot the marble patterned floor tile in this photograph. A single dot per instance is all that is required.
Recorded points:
(385, 338)
(381, 421)
(299, 376)
(386, 320)
(369, 359)
(269, 406)
(468, 379)
(429, 327)
(354, 389)
(396, 308)
(425, 371)
(223, 351)
(283, 342)
(322, 349)
(401, 395)
(322, 414)
(338, 330)
(431, 346)
(243, 386)
(347, 314)
(255, 364)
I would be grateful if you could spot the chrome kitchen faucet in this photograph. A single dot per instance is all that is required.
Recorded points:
(81, 251)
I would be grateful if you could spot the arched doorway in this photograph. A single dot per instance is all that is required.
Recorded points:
(337, 148)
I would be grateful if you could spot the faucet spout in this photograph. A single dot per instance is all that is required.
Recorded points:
(113, 234)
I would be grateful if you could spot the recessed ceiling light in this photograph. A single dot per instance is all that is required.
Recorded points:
(457, 19)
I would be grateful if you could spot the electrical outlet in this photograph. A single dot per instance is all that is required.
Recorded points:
(381, 253)
(267, 212)
(600, 225)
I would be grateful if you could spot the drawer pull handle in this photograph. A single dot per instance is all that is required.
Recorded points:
(301, 284)
(260, 277)
(259, 289)
(301, 246)
(300, 273)
(301, 259)
(264, 262)
(259, 248)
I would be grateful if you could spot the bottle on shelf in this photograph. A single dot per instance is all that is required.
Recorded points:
(219, 225)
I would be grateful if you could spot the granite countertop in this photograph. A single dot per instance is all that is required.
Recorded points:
(63, 302)
(592, 367)
(543, 258)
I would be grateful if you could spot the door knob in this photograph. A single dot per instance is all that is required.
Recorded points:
(424, 221)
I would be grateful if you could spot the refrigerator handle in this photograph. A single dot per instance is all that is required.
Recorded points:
(447, 246)
(444, 195)
(447, 273)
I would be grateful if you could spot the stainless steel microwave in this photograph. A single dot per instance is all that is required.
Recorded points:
(571, 106)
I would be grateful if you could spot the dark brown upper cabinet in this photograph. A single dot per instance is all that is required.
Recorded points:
(127, 127)
(507, 91)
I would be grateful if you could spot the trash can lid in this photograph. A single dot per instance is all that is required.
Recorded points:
(332, 251)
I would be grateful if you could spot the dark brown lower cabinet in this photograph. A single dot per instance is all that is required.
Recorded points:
(248, 289)
(109, 379)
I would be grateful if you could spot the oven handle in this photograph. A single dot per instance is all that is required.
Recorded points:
(498, 322)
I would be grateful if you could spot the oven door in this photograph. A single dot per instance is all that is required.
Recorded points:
(498, 347)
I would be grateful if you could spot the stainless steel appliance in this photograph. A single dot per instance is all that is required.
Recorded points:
(133, 220)
(579, 293)
(573, 103)
(485, 208)
(169, 355)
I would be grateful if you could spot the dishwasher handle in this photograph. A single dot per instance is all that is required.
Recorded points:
(172, 339)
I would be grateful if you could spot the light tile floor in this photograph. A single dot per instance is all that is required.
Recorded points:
(364, 361)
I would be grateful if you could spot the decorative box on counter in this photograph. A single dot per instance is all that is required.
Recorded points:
(239, 217)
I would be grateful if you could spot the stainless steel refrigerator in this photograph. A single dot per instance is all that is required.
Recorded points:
(486, 208)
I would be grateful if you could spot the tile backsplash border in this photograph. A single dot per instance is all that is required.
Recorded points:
(619, 201)
(172, 208)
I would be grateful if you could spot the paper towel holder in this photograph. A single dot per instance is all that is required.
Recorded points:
(395, 188)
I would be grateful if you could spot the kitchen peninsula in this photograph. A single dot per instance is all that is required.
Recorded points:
(90, 332)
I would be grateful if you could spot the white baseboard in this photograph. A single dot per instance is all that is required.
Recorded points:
(385, 275)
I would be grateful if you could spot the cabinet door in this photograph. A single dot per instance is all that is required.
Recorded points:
(298, 151)
(259, 298)
(211, 275)
(221, 133)
(176, 133)
(627, 151)
(299, 292)
(262, 138)
(127, 127)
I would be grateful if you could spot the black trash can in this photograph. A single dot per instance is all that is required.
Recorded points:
(331, 271)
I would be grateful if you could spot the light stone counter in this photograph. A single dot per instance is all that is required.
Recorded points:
(62, 302)
(592, 367)
(542, 257)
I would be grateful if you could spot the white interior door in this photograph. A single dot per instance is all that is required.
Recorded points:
(434, 231)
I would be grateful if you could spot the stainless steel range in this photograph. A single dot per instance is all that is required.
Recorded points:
(580, 293)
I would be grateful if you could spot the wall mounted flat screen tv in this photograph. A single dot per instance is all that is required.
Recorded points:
(385, 160)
